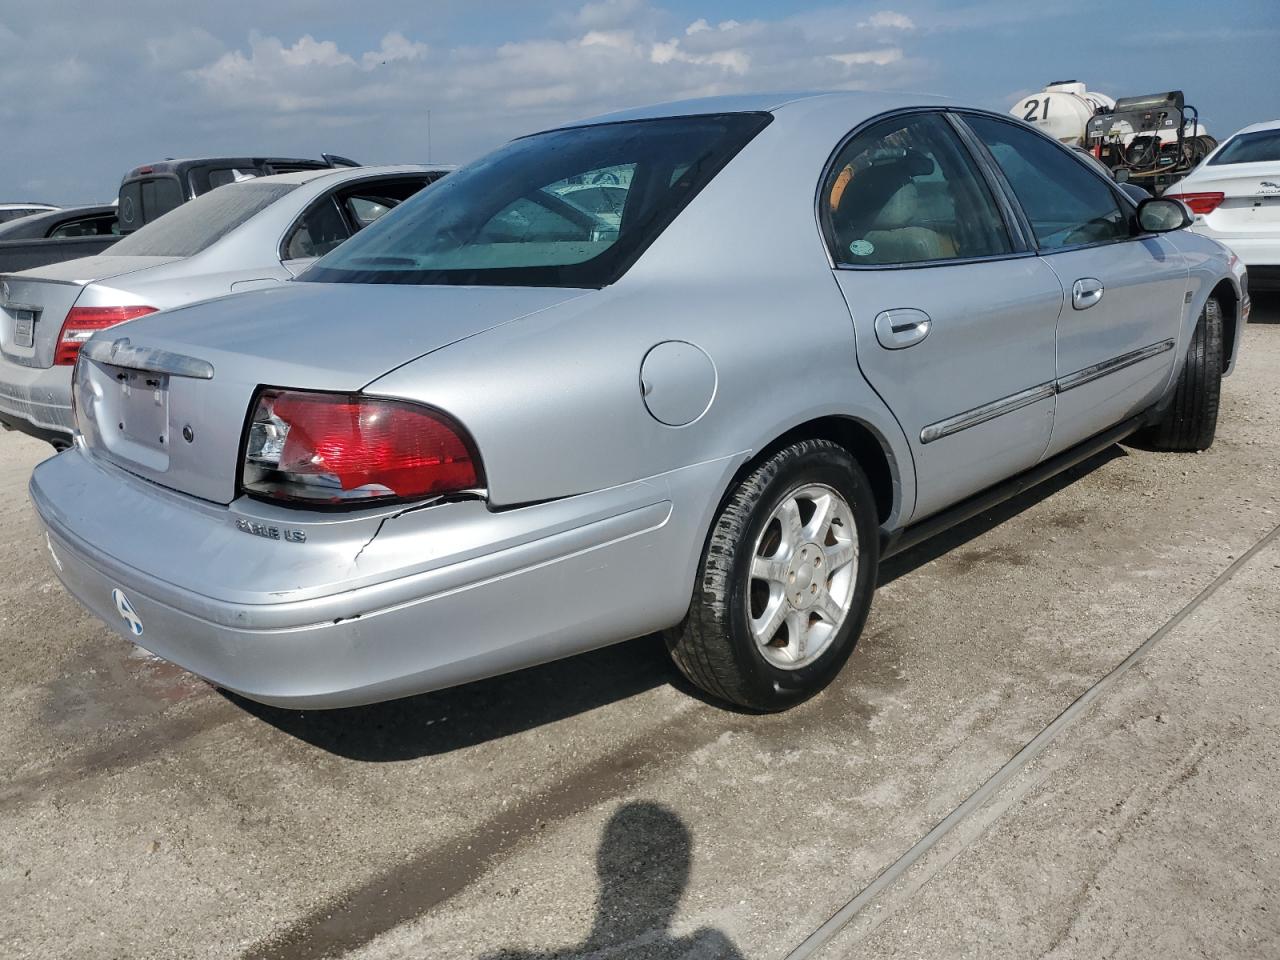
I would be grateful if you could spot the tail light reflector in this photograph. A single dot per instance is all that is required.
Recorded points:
(1200, 203)
(343, 448)
(83, 322)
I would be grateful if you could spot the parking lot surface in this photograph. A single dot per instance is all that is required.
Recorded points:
(596, 807)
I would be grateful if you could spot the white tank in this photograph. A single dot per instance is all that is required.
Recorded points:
(1062, 110)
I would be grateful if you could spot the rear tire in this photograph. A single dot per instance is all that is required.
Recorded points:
(1192, 418)
(785, 582)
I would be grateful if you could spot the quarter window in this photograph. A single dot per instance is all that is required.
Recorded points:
(1067, 204)
(320, 230)
(904, 191)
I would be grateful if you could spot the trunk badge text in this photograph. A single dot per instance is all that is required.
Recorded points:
(271, 532)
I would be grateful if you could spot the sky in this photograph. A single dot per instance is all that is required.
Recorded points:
(91, 88)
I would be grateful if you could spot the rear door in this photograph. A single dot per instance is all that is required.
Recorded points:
(1125, 292)
(954, 316)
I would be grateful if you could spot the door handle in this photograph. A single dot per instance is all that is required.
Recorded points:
(1085, 293)
(902, 327)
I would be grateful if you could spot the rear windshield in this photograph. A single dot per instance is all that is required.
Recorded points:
(567, 208)
(197, 225)
(1260, 147)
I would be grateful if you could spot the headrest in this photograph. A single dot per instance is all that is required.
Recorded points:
(903, 160)
(899, 210)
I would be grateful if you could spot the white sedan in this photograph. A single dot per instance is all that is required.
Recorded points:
(1235, 197)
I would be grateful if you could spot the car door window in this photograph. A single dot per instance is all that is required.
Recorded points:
(906, 191)
(1066, 203)
(319, 230)
(368, 202)
(85, 227)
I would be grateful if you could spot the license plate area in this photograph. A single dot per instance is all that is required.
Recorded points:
(24, 328)
(133, 416)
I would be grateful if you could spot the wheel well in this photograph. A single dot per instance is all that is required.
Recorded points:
(1225, 294)
(854, 436)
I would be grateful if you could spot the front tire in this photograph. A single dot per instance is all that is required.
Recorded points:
(785, 582)
(1192, 418)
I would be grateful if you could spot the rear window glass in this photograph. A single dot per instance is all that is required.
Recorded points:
(103, 226)
(566, 208)
(142, 201)
(1260, 147)
(197, 225)
(221, 176)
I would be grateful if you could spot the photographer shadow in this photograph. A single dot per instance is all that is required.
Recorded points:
(643, 868)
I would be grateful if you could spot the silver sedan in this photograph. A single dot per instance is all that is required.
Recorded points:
(241, 236)
(494, 429)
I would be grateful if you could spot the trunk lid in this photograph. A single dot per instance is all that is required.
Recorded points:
(34, 303)
(1251, 192)
(166, 398)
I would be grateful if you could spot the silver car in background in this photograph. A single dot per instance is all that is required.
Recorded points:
(494, 429)
(241, 236)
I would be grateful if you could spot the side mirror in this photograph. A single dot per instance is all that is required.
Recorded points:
(1160, 215)
(1120, 175)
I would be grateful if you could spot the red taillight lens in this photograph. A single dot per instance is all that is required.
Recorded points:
(1200, 203)
(83, 322)
(339, 448)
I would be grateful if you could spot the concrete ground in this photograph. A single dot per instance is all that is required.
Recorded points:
(595, 808)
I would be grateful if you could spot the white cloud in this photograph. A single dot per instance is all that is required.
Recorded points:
(395, 46)
(880, 58)
(289, 89)
(889, 20)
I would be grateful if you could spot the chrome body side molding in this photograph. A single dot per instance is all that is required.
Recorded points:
(996, 408)
(988, 411)
(1089, 374)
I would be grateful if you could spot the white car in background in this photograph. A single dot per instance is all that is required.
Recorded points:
(242, 236)
(16, 211)
(1235, 197)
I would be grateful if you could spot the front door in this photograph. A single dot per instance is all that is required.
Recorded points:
(954, 324)
(1118, 332)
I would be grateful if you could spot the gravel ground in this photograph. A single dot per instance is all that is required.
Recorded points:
(595, 807)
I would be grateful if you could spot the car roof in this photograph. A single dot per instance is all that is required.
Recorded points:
(175, 164)
(19, 205)
(859, 105)
(1259, 127)
(350, 173)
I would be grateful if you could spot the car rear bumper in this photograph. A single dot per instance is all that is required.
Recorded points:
(1264, 277)
(39, 398)
(560, 578)
(1253, 251)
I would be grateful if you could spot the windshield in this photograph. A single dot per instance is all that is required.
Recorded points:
(1260, 147)
(197, 225)
(566, 208)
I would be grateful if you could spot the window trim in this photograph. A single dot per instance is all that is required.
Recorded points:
(1017, 239)
(1128, 207)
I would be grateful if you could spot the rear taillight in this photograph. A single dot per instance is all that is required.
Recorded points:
(1200, 203)
(340, 448)
(83, 322)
